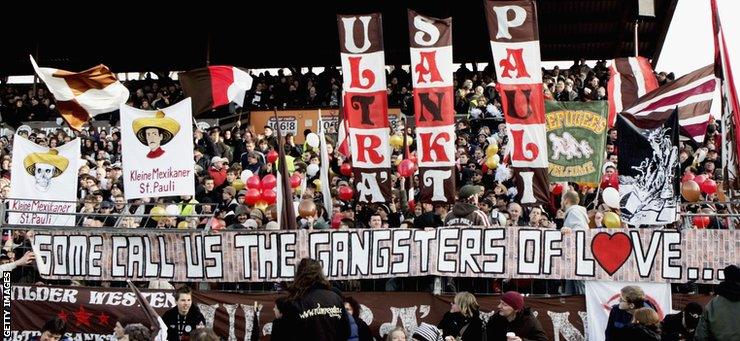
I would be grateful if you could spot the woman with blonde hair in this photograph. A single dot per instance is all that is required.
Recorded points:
(645, 325)
(463, 320)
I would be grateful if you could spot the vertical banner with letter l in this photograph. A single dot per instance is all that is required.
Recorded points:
(48, 174)
(156, 147)
(366, 104)
(430, 40)
(512, 28)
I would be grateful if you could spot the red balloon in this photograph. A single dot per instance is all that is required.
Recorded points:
(708, 186)
(269, 182)
(412, 205)
(699, 179)
(557, 189)
(269, 195)
(345, 169)
(254, 182)
(253, 195)
(346, 193)
(406, 168)
(272, 156)
(413, 159)
(701, 222)
(336, 220)
(295, 180)
(687, 177)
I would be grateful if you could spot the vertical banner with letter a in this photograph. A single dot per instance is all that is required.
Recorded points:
(512, 27)
(366, 104)
(430, 40)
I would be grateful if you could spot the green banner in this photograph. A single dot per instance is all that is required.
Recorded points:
(576, 138)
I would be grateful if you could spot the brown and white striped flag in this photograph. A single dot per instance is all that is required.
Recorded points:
(82, 95)
(694, 95)
(630, 79)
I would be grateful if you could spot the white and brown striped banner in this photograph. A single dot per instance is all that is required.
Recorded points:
(366, 104)
(512, 28)
(630, 79)
(430, 41)
(517, 252)
(696, 95)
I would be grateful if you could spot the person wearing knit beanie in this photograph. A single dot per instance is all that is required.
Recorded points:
(514, 300)
(513, 317)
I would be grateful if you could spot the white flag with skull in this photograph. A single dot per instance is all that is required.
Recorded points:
(43, 182)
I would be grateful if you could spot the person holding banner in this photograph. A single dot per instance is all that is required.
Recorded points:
(514, 322)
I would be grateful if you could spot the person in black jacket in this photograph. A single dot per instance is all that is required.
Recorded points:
(513, 317)
(645, 326)
(463, 320)
(353, 308)
(184, 318)
(620, 316)
(319, 312)
(681, 326)
(281, 326)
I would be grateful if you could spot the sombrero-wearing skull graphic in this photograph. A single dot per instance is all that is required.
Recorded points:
(44, 167)
(155, 132)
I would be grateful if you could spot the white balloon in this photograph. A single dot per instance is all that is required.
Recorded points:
(246, 174)
(312, 169)
(312, 140)
(59, 121)
(172, 210)
(611, 197)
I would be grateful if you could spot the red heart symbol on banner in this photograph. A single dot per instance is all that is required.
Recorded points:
(611, 251)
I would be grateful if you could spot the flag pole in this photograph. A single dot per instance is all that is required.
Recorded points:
(637, 48)
(287, 216)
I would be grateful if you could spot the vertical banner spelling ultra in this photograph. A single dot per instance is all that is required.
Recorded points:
(512, 27)
(156, 151)
(430, 40)
(366, 104)
(41, 173)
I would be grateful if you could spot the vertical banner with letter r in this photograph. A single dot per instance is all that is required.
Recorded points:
(512, 28)
(366, 104)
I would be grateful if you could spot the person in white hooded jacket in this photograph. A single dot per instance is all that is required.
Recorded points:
(576, 216)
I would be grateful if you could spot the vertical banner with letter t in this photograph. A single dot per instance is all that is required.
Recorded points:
(366, 104)
(512, 27)
(430, 40)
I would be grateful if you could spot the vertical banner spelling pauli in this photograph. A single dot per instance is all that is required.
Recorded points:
(366, 104)
(430, 41)
(512, 27)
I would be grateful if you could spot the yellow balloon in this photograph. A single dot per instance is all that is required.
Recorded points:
(182, 225)
(491, 150)
(262, 205)
(396, 141)
(238, 184)
(492, 163)
(157, 212)
(409, 140)
(317, 182)
(612, 221)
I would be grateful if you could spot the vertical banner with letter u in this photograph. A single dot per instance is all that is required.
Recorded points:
(512, 27)
(430, 40)
(366, 104)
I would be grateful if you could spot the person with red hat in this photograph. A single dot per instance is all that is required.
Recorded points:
(513, 322)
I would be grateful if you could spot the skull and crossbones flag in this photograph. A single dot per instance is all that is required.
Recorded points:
(43, 182)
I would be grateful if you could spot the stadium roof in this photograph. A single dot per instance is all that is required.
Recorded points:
(285, 34)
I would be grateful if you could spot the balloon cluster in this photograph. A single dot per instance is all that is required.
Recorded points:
(261, 192)
(693, 186)
(396, 141)
(492, 158)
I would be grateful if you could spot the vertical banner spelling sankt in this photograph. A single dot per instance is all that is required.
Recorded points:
(512, 27)
(430, 41)
(366, 104)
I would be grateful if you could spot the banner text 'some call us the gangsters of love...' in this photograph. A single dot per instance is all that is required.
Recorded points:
(621, 255)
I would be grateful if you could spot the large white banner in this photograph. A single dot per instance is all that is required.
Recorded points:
(602, 295)
(158, 151)
(42, 176)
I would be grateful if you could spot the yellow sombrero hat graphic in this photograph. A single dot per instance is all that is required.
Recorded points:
(51, 157)
(168, 126)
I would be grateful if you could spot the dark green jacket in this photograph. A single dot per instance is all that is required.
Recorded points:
(721, 315)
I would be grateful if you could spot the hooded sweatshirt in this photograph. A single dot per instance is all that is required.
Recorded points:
(465, 214)
(720, 318)
(576, 217)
